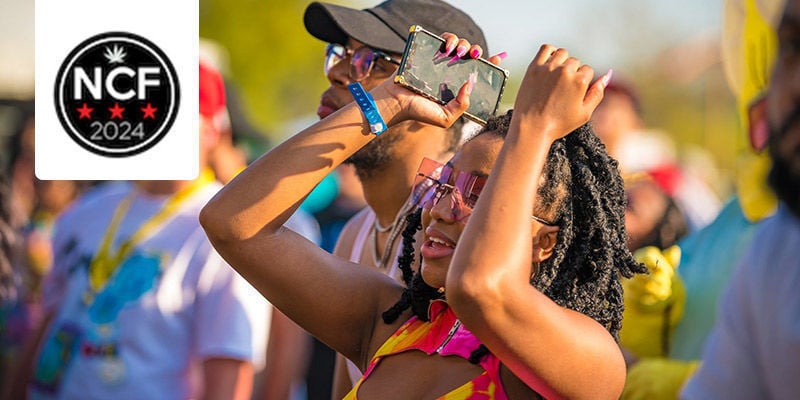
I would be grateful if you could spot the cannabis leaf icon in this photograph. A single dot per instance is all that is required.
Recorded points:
(115, 55)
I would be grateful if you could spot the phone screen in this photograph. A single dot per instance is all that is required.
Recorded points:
(440, 80)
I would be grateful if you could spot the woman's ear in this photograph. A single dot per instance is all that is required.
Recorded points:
(544, 240)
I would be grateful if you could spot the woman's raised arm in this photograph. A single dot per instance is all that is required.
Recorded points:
(488, 284)
(326, 295)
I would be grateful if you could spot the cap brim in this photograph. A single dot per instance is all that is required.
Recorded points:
(334, 24)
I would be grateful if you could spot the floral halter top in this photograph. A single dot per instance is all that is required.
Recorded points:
(444, 335)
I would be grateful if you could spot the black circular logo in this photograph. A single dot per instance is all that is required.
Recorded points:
(117, 94)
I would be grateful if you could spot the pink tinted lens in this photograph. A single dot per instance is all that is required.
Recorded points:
(361, 63)
(429, 174)
(333, 54)
(470, 187)
(432, 187)
(463, 195)
(459, 210)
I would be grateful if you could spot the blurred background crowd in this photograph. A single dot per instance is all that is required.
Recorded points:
(672, 117)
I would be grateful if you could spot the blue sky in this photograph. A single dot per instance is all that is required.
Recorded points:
(601, 33)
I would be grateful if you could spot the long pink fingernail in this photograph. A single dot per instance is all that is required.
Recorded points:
(440, 56)
(502, 55)
(475, 53)
(607, 78)
(471, 82)
(461, 51)
(454, 60)
(449, 47)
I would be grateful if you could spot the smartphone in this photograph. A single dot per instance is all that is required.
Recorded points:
(439, 80)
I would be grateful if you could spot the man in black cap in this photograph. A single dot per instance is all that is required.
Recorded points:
(366, 46)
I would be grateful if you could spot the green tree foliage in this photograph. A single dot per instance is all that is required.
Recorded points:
(274, 62)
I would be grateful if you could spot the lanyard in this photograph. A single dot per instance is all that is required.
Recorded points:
(105, 262)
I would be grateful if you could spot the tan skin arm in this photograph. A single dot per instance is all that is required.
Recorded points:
(287, 357)
(312, 287)
(342, 384)
(488, 280)
(227, 379)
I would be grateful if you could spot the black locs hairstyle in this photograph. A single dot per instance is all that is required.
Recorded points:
(583, 193)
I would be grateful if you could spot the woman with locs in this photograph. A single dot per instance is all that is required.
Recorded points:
(489, 331)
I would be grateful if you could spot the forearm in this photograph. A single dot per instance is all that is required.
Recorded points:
(265, 194)
(488, 283)
(551, 103)
(244, 220)
(288, 353)
(499, 230)
(227, 379)
(490, 291)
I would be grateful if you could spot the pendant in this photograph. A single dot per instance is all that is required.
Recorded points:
(111, 370)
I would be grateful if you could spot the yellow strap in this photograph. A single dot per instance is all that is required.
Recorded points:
(105, 262)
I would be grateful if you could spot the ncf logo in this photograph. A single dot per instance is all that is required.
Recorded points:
(117, 94)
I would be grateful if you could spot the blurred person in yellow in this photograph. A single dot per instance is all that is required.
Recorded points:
(753, 352)
(653, 302)
(708, 257)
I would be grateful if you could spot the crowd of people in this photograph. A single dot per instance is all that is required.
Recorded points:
(552, 252)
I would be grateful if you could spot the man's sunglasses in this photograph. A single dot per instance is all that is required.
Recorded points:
(362, 59)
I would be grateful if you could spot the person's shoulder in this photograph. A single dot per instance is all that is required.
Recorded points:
(781, 231)
(349, 233)
(105, 189)
(770, 262)
(95, 199)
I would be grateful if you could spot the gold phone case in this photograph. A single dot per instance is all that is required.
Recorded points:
(440, 80)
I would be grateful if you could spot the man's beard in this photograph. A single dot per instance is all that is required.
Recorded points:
(784, 177)
(375, 156)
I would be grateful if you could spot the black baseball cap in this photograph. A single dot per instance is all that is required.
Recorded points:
(385, 26)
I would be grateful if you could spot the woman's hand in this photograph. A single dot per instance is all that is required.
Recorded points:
(557, 94)
(406, 105)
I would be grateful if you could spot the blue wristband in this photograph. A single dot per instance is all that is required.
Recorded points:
(368, 107)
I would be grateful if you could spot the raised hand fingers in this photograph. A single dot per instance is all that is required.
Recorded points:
(450, 43)
(454, 108)
(455, 46)
(497, 58)
(543, 55)
(558, 57)
(557, 91)
(459, 47)
(596, 91)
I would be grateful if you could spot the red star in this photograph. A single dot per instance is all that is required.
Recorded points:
(85, 111)
(116, 111)
(149, 111)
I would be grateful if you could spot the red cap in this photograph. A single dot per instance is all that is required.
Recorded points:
(212, 91)
(622, 87)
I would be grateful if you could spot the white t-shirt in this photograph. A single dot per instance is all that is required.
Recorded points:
(173, 303)
(753, 351)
